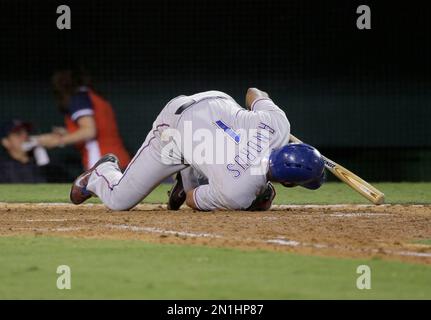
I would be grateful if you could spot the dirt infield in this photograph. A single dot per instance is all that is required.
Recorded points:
(388, 231)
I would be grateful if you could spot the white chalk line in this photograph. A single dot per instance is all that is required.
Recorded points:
(61, 229)
(412, 253)
(277, 241)
(356, 214)
(265, 218)
(290, 243)
(160, 231)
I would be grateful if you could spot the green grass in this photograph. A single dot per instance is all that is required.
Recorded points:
(329, 193)
(134, 269)
(426, 241)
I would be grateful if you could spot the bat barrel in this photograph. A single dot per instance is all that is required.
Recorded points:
(352, 180)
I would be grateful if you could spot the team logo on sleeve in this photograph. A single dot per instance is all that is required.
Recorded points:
(229, 131)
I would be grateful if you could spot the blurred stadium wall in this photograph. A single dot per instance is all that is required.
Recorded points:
(362, 97)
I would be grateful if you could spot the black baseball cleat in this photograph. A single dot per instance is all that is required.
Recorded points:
(177, 195)
(79, 192)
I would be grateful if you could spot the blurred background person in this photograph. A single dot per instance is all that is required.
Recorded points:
(89, 120)
(23, 161)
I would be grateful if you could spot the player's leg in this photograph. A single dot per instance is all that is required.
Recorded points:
(146, 171)
(149, 167)
(186, 180)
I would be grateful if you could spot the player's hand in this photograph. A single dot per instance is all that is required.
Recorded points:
(59, 130)
(49, 140)
(252, 95)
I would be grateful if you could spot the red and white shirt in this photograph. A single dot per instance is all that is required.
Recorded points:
(87, 103)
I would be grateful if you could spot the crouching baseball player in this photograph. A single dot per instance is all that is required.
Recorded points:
(225, 157)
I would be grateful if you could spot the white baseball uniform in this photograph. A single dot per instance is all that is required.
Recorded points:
(223, 148)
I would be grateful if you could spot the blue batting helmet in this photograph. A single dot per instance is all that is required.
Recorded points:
(296, 163)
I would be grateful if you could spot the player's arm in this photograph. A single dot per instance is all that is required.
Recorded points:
(190, 200)
(82, 113)
(87, 131)
(259, 101)
(207, 198)
(203, 198)
(254, 94)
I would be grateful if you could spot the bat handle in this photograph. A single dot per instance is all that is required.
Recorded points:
(294, 139)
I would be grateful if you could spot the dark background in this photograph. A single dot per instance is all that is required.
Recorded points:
(361, 96)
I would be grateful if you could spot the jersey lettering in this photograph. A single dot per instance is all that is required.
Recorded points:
(235, 172)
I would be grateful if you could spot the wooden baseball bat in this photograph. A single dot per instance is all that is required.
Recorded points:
(351, 179)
